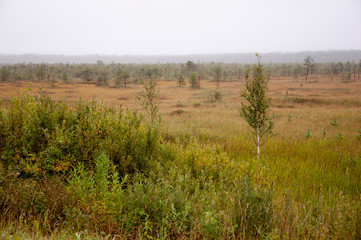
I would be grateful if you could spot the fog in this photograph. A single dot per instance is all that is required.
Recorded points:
(177, 26)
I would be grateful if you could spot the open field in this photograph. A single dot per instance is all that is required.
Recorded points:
(295, 104)
(330, 109)
(312, 164)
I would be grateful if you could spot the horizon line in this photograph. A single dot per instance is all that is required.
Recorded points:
(170, 54)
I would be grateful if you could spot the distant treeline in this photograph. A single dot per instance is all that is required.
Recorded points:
(275, 57)
(120, 75)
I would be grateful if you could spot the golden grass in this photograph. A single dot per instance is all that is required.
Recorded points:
(296, 105)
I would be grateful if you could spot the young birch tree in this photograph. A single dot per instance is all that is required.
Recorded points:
(148, 100)
(255, 110)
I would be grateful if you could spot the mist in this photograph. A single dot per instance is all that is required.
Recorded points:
(155, 27)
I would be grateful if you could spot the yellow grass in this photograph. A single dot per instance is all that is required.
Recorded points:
(296, 105)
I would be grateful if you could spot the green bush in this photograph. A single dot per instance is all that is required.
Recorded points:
(176, 204)
(183, 195)
(40, 136)
(99, 196)
(216, 97)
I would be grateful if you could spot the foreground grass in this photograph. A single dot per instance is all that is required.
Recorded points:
(202, 182)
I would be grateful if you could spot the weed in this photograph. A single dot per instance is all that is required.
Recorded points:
(97, 195)
(349, 164)
(196, 104)
(324, 132)
(359, 135)
(334, 123)
(308, 133)
(289, 118)
(340, 136)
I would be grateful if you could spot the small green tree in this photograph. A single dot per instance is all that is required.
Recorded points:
(52, 80)
(40, 71)
(217, 75)
(255, 112)
(4, 74)
(118, 77)
(86, 75)
(102, 77)
(181, 81)
(309, 64)
(122, 77)
(64, 77)
(190, 67)
(148, 100)
(225, 75)
(193, 81)
(125, 77)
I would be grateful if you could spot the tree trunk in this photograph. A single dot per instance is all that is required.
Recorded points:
(258, 137)
(354, 73)
(308, 70)
(258, 144)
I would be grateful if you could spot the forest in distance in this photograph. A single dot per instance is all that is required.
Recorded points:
(105, 149)
(117, 74)
(271, 57)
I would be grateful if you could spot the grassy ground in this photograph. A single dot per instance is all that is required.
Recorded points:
(315, 122)
(313, 163)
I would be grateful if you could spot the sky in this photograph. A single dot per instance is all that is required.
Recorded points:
(177, 27)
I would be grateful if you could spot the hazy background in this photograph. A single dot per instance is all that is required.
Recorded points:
(177, 26)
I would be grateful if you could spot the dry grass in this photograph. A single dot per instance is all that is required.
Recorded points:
(319, 172)
(297, 105)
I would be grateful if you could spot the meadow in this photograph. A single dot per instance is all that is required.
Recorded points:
(195, 175)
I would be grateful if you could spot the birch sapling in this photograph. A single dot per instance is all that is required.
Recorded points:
(256, 109)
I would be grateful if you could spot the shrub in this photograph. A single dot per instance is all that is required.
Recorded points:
(174, 204)
(195, 191)
(41, 136)
(98, 196)
(216, 97)
(200, 158)
(25, 123)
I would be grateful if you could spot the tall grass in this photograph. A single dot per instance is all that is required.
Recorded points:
(89, 171)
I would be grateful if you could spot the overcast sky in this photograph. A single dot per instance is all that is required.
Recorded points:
(177, 26)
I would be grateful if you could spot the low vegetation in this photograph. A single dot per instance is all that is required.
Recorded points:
(81, 169)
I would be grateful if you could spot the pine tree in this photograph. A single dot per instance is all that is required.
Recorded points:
(193, 81)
